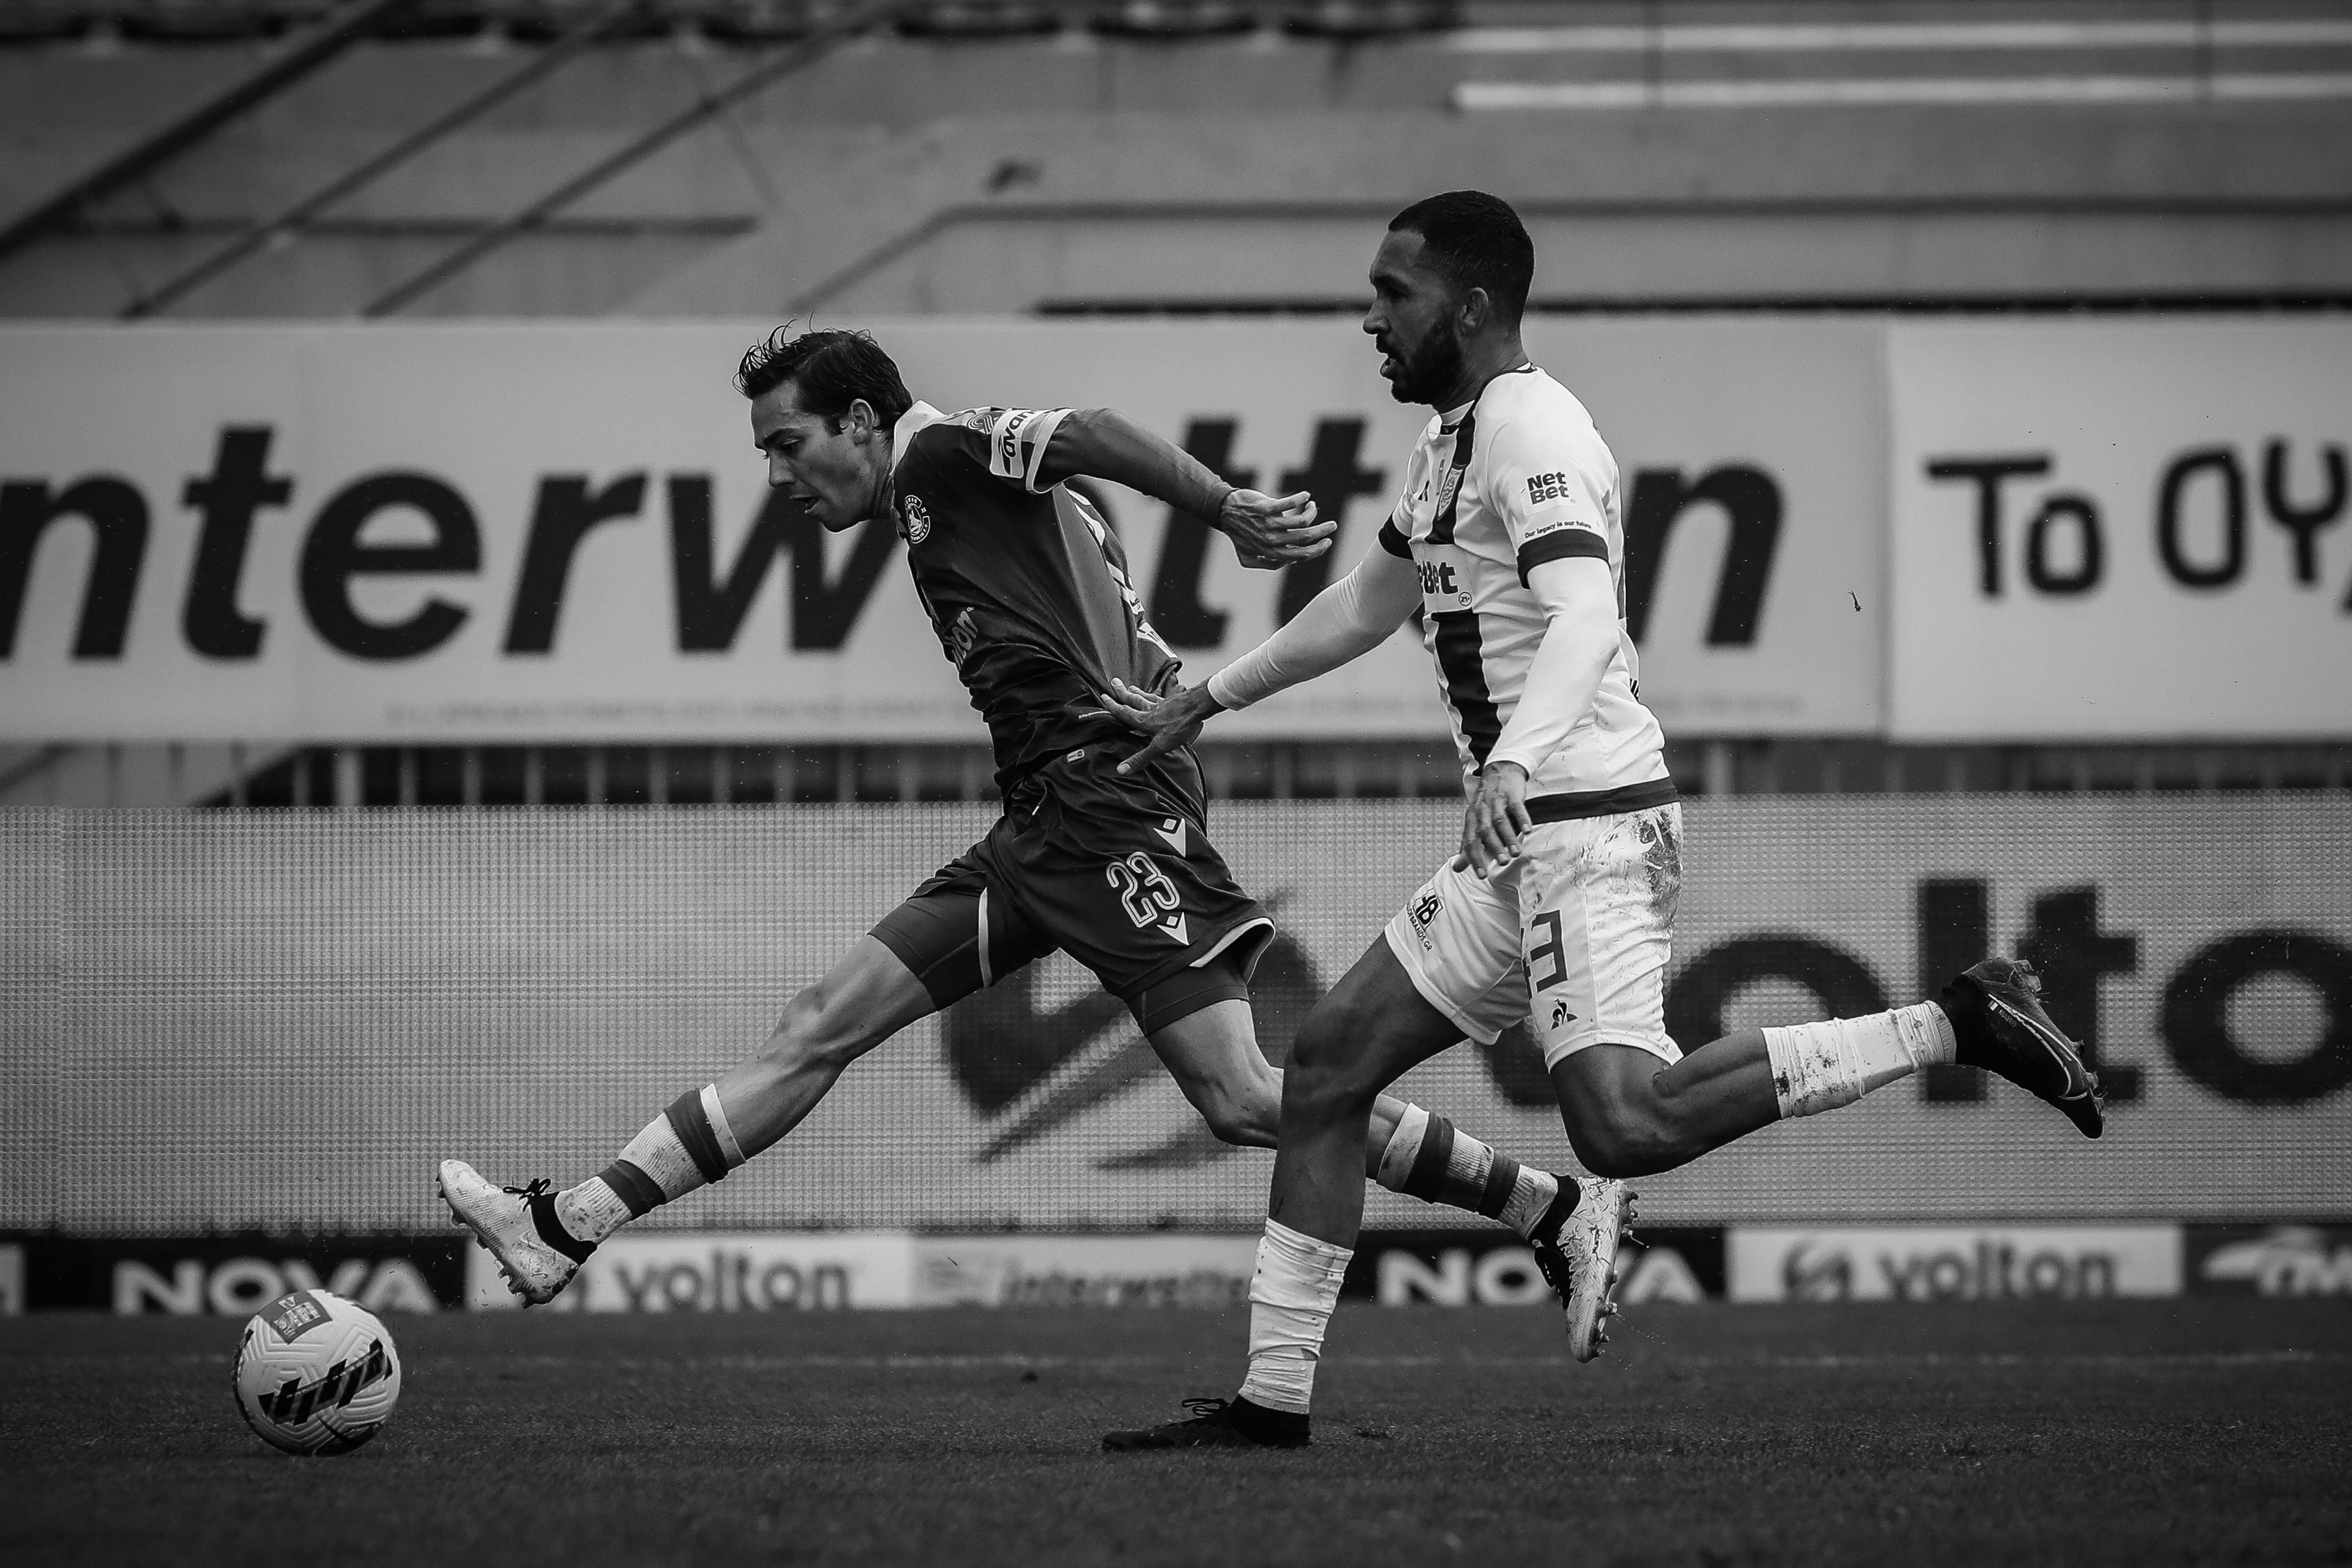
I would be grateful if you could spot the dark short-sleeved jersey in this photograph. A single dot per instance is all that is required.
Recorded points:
(1025, 585)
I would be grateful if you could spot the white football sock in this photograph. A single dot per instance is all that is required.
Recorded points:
(1292, 1293)
(1404, 1147)
(662, 1155)
(1819, 1067)
(1531, 1199)
(593, 1210)
(1463, 1173)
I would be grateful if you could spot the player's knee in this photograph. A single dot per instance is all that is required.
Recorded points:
(1616, 1129)
(1623, 1139)
(1327, 1073)
(1242, 1120)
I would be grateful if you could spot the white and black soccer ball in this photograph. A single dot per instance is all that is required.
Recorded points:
(315, 1373)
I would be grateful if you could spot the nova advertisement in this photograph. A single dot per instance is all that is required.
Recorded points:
(562, 531)
(229, 1276)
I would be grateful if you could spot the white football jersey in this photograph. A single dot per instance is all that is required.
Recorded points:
(1518, 477)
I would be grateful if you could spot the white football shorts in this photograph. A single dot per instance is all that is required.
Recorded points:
(1573, 935)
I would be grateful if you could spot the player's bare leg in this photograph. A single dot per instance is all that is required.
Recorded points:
(1214, 1057)
(540, 1239)
(1627, 1115)
(1372, 1028)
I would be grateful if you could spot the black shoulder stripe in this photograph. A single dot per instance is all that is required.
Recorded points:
(1562, 545)
(1393, 541)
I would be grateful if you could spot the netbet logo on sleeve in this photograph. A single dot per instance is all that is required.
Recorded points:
(1557, 485)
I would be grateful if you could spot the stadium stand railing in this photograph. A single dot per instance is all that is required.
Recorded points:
(751, 22)
(514, 776)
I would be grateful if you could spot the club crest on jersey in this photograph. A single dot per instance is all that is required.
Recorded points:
(918, 521)
(1447, 484)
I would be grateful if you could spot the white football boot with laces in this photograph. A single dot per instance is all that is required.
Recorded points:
(1579, 1259)
(519, 1228)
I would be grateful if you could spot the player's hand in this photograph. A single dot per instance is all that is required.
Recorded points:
(1169, 721)
(1496, 816)
(1269, 531)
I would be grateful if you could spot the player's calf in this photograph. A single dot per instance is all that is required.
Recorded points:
(1429, 1158)
(1335, 1077)
(1989, 1017)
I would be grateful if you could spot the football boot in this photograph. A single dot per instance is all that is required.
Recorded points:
(1996, 1013)
(519, 1228)
(1578, 1254)
(1233, 1423)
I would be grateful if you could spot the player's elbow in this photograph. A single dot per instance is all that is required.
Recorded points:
(1086, 434)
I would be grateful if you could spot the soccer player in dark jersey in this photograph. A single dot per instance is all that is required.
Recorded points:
(1028, 592)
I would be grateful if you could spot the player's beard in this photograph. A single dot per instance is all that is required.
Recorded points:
(1429, 369)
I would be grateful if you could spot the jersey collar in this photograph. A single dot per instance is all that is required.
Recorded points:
(1451, 419)
(912, 423)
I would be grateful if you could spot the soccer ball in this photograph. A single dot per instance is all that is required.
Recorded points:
(315, 1373)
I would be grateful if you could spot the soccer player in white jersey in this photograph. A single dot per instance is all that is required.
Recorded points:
(1560, 902)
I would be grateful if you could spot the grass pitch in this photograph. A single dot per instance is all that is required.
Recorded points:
(2131, 1433)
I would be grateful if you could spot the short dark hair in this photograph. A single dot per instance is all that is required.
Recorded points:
(833, 369)
(1477, 241)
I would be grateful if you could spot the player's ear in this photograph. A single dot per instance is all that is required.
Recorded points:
(860, 420)
(1477, 308)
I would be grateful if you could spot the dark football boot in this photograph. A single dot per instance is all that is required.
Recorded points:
(1997, 1018)
(1233, 1423)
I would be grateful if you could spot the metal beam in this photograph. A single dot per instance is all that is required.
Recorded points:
(819, 42)
(286, 222)
(306, 53)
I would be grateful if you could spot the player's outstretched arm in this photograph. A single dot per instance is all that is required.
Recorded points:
(1104, 444)
(1345, 621)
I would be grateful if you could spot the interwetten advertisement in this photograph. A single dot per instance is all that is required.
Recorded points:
(554, 532)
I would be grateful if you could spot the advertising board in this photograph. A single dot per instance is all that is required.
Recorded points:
(231, 1276)
(218, 1010)
(1490, 1268)
(562, 531)
(1148, 1270)
(1953, 1263)
(2120, 530)
(2270, 1260)
(692, 1271)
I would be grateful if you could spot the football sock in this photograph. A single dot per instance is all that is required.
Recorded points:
(1819, 1067)
(1292, 1292)
(688, 1146)
(1430, 1159)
